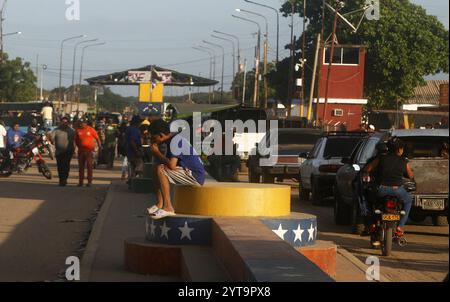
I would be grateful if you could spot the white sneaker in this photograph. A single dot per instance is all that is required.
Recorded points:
(152, 210)
(162, 214)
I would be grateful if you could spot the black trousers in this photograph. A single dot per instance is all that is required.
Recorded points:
(63, 163)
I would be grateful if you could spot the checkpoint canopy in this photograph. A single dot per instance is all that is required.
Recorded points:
(151, 81)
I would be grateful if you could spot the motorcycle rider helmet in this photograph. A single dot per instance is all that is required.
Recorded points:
(382, 148)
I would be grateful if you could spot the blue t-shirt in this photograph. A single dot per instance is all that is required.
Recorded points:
(187, 158)
(14, 138)
(132, 134)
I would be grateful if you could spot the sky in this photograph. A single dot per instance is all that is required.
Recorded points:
(143, 32)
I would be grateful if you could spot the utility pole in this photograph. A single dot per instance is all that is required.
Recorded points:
(333, 38)
(302, 94)
(313, 79)
(258, 58)
(1, 29)
(245, 82)
(291, 66)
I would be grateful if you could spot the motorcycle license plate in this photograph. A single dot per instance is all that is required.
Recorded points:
(35, 151)
(433, 204)
(390, 217)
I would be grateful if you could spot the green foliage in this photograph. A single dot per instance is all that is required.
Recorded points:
(108, 101)
(17, 81)
(403, 46)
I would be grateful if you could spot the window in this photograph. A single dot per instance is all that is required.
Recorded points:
(369, 151)
(340, 146)
(315, 152)
(342, 55)
(422, 147)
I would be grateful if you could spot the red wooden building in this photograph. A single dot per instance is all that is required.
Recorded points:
(345, 86)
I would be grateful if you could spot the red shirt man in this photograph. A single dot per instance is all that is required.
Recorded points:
(85, 138)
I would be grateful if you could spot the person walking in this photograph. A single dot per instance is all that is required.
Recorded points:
(47, 115)
(3, 140)
(122, 148)
(135, 153)
(85, 138)
(3, 143)
(110, 143)
(63, 139)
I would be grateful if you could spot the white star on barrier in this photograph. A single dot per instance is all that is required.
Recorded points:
(280, 232)
(152, 229)
(165, 231)
(186, 231)
(298, 233)
(311, 233)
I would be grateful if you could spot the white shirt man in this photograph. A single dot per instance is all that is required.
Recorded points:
(47, 115)
(2, 137)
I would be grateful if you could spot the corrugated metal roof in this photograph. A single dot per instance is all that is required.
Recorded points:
(427, 94)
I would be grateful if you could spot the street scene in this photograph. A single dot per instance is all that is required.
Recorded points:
(224, 142)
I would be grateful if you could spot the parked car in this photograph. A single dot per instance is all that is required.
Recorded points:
(425, 150)
(291, 143)
(318, 171)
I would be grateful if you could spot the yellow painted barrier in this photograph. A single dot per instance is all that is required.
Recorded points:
(233, 199)
(147, 94)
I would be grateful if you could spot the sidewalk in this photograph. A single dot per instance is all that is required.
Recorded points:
(121, 217)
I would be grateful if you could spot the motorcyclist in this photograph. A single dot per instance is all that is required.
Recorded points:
(390, 169)
(14, 136)
(32, 130)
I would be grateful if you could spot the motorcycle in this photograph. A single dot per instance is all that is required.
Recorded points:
(388, 211)
(32, 149)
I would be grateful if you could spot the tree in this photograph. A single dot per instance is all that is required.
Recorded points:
(250, 84)
(403, 46)
(17, 81)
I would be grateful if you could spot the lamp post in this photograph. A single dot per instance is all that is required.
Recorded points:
(61, 62)
(2, 9)
(266, 47)
(212, 52)
(278, 22)
(210, 67)
(257, 58)
(223, 66)
(234, 50)
(81, 66)
(74, 61)
(238, 46)
(43, 67)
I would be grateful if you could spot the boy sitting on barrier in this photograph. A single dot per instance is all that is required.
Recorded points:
(181, 165)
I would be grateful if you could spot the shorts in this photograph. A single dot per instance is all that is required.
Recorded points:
(181, 176)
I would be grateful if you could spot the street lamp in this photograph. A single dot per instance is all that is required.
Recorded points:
(266, 46)
(61, 62)
(213, 52)
(234, 50)
(223, 65)
(257, 58)
(210, 67)
(278, 21)
(74, 60)
(81, 66)
(11, 34)
(238, 46)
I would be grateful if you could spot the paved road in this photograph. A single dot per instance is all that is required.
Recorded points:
(42, 224)
(425, 258)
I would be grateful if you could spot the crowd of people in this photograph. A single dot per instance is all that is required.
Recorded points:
(136, 141)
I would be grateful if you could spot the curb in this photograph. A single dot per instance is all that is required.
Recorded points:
(358, 263)
(94, 238)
